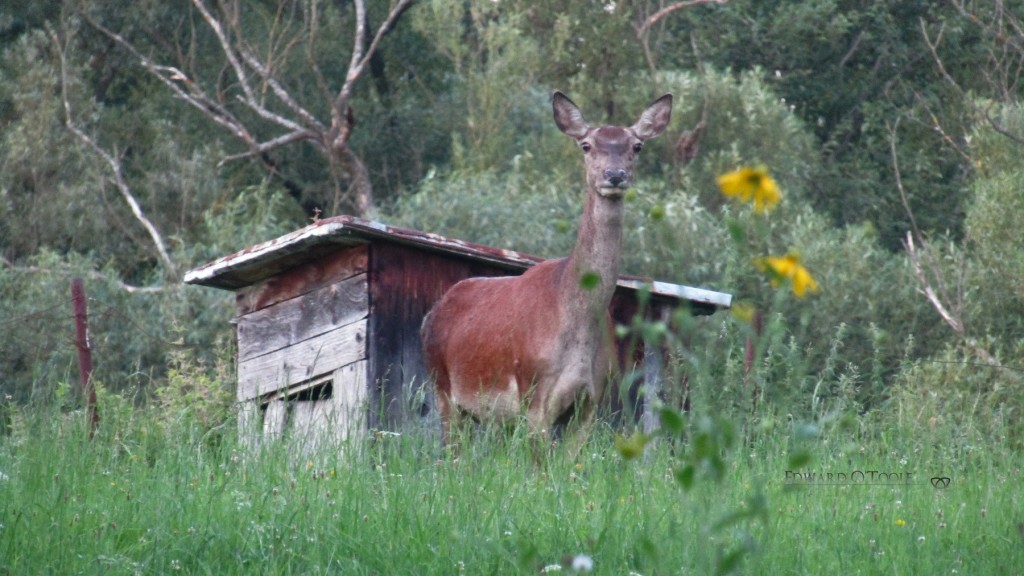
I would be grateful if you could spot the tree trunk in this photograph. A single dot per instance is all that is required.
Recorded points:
(360, 187)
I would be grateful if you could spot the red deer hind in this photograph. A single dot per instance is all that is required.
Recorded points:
(542, 341)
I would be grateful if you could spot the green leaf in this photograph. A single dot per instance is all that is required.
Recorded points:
(730, 562)
(671, 420)
(756, 507)
(736, 231)
(632, 447)
(590, 280)
(649, 549)
(799, 459)
(653, 332)
(685, 476)
(703, 446)
(716, 465)
(732, 518)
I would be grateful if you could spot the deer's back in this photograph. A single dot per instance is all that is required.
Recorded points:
(485, 330)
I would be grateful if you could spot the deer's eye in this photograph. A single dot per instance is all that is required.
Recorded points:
(638, 147)
(585, 146)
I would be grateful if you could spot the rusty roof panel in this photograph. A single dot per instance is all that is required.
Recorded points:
(267, 259)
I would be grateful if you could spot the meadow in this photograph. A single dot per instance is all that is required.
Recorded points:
(140, 498)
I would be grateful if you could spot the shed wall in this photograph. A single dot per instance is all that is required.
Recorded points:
(302, 350)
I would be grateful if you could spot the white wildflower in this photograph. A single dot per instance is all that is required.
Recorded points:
(582, 563)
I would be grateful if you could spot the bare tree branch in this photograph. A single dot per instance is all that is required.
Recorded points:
(257, 80)
(899, 178)
(280, 92)
(340, 108)
(1002, 85)
(654, 18)
(257, 149)
(193, 94)
(924, 286)
(115, 167)
(226, 47)
(645, 27)
(185, 89)
(314, 66)
(931, 281)
(361, 57)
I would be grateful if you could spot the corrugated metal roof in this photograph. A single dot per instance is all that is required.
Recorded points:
(267, 259)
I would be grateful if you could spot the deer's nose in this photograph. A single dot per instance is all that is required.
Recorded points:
(616, 177)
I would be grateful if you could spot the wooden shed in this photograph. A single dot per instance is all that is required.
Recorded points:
(328, 322)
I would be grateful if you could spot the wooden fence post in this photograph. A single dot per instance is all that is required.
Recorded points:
(78, 304)
(750, 356)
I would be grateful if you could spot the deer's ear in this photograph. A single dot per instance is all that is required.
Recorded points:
(568, 116)
(655, 118)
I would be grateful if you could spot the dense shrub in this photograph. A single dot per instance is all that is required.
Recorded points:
(135, 330)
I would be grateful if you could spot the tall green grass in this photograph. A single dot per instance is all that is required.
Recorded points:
(139, 499)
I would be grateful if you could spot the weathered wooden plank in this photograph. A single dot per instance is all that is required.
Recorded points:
(351, 393)
(301, 279)
(274, 419)
(304, 425)
(301, 361)
(302, 317)
(250, 424)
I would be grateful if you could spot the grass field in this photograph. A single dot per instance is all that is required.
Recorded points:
(136, 501)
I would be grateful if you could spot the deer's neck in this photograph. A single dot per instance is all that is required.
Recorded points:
(598, 252)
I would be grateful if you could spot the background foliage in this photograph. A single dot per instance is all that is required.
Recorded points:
(452, 120)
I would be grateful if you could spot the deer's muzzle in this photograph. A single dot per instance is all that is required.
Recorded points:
(615, 178)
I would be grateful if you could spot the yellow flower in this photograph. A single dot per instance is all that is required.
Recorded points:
(788, 267)
(901, 522)
(743, 311)
(632, 447)
(751, 185)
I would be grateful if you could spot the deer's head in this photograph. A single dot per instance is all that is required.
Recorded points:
(610, 152)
